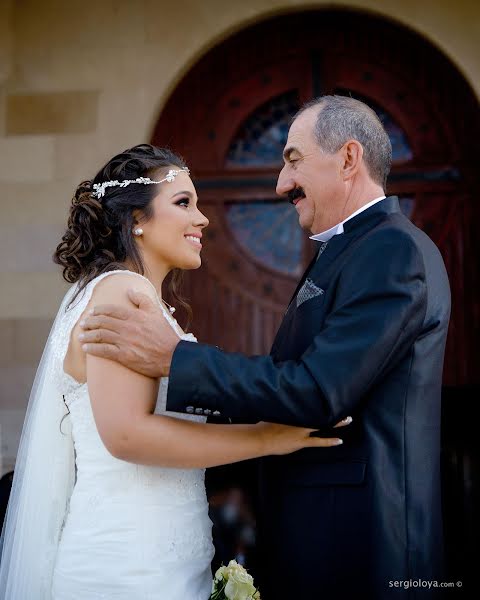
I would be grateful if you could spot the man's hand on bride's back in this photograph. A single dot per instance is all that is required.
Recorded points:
(283, 439)
(139, 338)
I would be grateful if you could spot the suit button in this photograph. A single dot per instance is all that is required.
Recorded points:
(207, 412)
(190, 409)
(216, 413)
(199, 411)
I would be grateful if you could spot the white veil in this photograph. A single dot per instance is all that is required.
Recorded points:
(42, 485)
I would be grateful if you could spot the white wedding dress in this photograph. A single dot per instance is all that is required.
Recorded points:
(131, 532)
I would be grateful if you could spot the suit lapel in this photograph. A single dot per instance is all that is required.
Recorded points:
(329, 252)
(311, 267)
(332, 251)
(353, 229)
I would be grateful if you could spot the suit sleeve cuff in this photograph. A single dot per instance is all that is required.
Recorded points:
(183, 393)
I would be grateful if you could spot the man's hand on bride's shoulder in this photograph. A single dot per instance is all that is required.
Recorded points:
(139, 337)
(283, 439)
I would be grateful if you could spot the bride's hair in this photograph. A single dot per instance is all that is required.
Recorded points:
(99, 235)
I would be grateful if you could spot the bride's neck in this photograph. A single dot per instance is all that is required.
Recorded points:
(154, 273)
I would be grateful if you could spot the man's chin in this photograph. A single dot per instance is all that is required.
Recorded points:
(305, 223)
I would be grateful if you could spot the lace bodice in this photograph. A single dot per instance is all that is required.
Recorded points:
(155, 515)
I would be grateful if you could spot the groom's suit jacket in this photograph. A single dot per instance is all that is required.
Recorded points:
(364, 335)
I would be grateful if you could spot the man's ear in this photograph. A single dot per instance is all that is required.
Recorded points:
(352, 158)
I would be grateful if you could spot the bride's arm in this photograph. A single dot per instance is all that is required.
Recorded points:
(123, 402)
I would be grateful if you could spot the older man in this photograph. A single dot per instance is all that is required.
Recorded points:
(364, 334)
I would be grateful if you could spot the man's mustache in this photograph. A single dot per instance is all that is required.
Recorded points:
(295, 193)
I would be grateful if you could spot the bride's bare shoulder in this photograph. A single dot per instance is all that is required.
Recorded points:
(113, 288)
(109, 289)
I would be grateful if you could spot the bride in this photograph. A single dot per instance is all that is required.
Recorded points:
(108, 499)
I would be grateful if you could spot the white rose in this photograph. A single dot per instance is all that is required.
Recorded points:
(240, 583)
(222, 573)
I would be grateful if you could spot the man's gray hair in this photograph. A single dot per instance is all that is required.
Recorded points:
(340, 119)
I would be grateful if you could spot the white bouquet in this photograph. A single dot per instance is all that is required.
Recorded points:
(233, 583)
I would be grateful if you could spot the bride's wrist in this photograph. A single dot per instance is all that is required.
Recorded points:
(264, 440)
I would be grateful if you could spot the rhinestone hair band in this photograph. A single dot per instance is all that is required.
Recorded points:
(99, 188)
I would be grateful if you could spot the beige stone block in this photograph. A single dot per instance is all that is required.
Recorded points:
(49, 113)
(115, 108)
(24, 203)
(29, 340)
(15, 386)
(31, 295)
(201, 21)
(79, 44)
(22, 341)
(26, 159)
(2, 114)
(28, 248)
(7, 336)
(79, 157)
(11, 423)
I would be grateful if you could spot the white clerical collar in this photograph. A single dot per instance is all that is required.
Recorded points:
(326, 236)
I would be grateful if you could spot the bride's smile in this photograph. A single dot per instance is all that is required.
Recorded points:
(171, 236)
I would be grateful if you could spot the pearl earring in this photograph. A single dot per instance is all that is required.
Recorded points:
(138, 231)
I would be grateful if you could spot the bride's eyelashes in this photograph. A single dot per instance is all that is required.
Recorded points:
(183, 201)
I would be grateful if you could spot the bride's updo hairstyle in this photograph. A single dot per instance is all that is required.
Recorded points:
(99, 235)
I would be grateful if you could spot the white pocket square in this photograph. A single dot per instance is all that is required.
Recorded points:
(308, 291)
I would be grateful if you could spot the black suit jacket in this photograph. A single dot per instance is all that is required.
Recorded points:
(352, 520)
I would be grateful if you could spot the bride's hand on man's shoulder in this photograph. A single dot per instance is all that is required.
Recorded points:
(283, 439)
(139, 337)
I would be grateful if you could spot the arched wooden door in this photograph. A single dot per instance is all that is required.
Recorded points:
(229, 118)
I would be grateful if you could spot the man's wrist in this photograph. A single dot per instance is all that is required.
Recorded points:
(167, 360)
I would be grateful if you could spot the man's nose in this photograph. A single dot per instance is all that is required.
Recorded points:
(285, 183)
